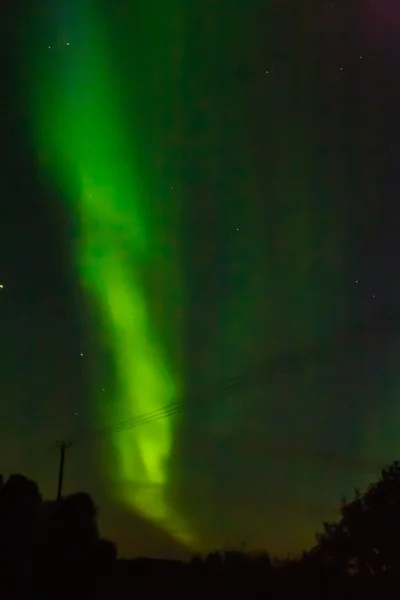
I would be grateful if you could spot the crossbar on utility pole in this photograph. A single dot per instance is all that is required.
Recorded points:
(63, 445)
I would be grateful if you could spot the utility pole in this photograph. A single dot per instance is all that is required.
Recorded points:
(63, 445)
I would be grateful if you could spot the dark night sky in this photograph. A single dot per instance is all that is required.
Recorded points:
(279, 137)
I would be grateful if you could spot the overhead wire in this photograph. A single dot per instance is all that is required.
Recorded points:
(282, 364)
(377, 323)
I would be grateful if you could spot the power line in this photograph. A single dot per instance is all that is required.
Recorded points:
(282, 364)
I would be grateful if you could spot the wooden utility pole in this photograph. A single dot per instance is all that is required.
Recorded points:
(63, 445)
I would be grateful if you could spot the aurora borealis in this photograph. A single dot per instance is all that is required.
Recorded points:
(81, 127)
(208, 194)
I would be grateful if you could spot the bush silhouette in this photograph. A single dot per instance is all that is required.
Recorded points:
(20, 503)
(368, 533)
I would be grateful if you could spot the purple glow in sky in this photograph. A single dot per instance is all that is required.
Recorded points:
(384, 14)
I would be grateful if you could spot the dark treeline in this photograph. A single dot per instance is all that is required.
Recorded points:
(50, 548)
(54, 549)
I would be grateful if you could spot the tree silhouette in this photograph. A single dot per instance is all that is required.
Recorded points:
(20, 502)
(368, 533)
(106, 553)
(68, 529)
(45, 543)
(69, 548)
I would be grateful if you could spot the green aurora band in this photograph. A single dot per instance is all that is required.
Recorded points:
(248, 296)
(80, 127)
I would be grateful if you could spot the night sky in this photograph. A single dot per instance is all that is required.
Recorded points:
(263, 140)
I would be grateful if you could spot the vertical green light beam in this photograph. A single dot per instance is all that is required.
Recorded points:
(79, 128)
